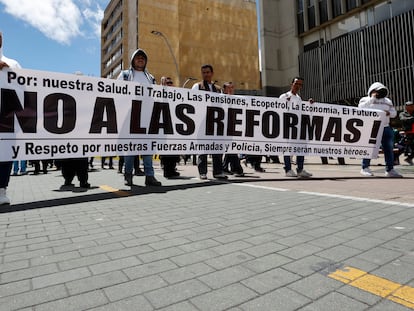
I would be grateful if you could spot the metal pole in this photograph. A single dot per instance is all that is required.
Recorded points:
(159, 33)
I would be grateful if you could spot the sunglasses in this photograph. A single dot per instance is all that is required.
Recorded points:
(170, 83)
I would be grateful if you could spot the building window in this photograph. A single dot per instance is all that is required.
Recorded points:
(336, 8)
(299, 16)
(351, 4)
(323, 11)
(311, 14)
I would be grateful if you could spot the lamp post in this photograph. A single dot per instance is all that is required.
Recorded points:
(159, 33)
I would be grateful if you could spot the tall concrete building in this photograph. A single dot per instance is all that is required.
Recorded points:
(339, 47)
(181, 35)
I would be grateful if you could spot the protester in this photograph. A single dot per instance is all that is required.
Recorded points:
(139, 73)
(377, 99)
(110, 160)
(169, 162)
(75, 167)
(5, 167)
(407, 119)
(231, 159)
(292, 96)
(208, 85)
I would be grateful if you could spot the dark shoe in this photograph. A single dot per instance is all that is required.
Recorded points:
(111, 168)
(260, 170)
(220, 176)
(67, 186)
(85, 185)
(172, 175)
(151, 181)
(139, 173)
(226, 171)
(128, 179)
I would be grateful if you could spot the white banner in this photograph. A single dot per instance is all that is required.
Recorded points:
(47, 115)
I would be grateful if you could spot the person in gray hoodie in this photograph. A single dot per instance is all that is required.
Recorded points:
(5, 167)
(139, 73)
(377, 99)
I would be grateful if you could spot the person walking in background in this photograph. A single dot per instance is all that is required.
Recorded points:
(377, 99)
(5, 167)
(208, 85)
(407, 119)
(292, 96)
(21, 167)
(139, 73)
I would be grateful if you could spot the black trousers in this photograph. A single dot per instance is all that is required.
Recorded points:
(75, 167)
(234, 162)
(5, 170)
(169, 163)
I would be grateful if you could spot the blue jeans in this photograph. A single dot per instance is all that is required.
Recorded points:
(146, 159)
(299, 162)
(22, 166)
(387, 143)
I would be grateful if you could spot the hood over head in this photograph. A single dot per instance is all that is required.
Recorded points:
(380, 88)
(139, 52)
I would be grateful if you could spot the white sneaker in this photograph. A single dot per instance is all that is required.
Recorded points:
(291, 173)
(304, 174)
(393, 174)
(366, 172)
(4, 200)
(203, 176)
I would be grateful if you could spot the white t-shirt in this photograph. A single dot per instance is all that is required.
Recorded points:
(140, 77)
(196, 86)
(289, 96)
(9, 61)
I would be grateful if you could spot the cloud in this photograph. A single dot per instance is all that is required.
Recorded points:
(59, 20)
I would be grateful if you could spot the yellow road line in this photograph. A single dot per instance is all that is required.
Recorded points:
(378, 286)
(118, 192)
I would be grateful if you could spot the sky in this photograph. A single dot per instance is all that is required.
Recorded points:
(53, 35)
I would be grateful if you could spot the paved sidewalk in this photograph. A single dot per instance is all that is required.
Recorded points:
(262, 242)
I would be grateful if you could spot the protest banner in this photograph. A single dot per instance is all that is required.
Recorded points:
(47, 115)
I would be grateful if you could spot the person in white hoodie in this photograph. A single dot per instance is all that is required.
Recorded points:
(5, 167)
(377, 99)
(138, 73)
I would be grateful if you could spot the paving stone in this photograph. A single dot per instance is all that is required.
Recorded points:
(160, 254)
(397, 271)
(226, 277)
(379, 255)
(305, 266)
(223, 298)
(96, 282)
(75, 303)
(266, 263)
(386, 305)
(32, 298)
(83, 261)
(228, 260)
(133, 288)
(129, 304)
(73, 246)
(54, 258)
(264, 249)
(199, 245)
(14, 265)
(27, 255)
(175, 293)
(364, 243)
(28, 273)
(193, 257)
(360, 295)
(116, 264)
(13, 288)
(300, 251)
(150, 269)
(315, 286)
(182, 306)
(339, 253)
(186, 273)
(230, 247)
(100, 249)
(337, 302)
(168, 243)
(280, 299)
(270, 280)
(60, 277)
